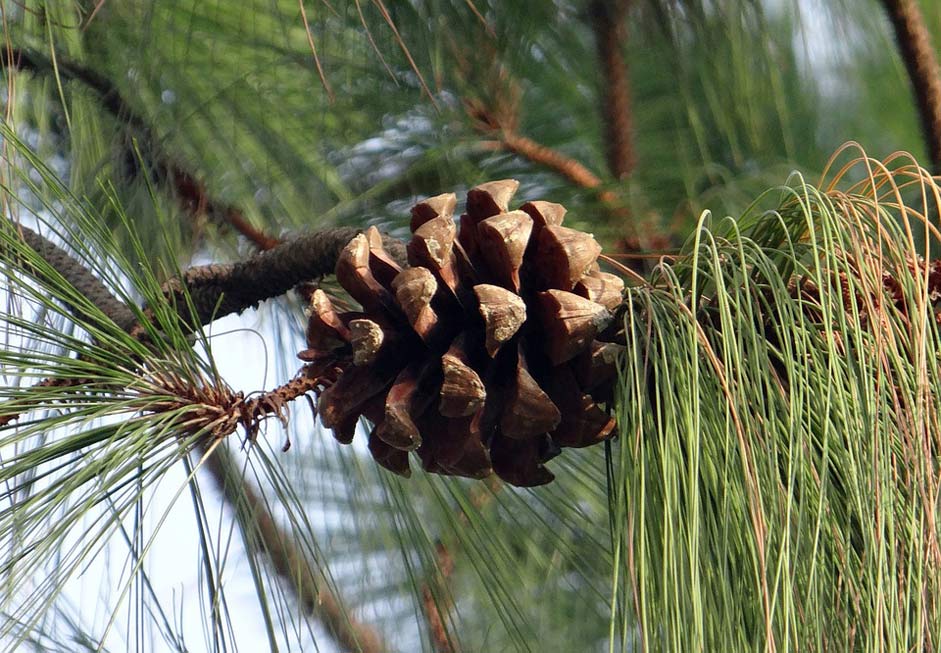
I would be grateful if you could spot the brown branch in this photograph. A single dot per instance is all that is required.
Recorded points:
(434, 606)
(220, 289)
(194, 199)
(76, 274)
(500, 120)
(190, 192)
(215, 290)
(108, 95)
(499, 123)
(219, 413)
(918, 54)
(563, 165)
(7, 417)
(274, 401)
(608, 19)
(264, 536)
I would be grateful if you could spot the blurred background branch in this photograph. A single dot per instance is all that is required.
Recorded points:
(921, 61)
(638, 116)
(609, 22)
(189, 191)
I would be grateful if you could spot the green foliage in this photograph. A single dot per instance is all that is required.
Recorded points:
(777, 477)
(774, 475)
(91, 430)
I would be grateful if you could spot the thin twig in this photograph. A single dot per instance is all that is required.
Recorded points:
(190, 192)
(313, 51)
(498, 123)
(7, 415)
(918, 54)
(565, 166)
(273, 402)
(608, 19)
(380, 5)
(194, 199)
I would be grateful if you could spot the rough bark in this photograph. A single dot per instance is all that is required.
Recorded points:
(220, 289)
(85, 283)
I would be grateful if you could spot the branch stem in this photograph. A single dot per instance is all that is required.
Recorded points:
(918, 54)
(313, 253)
(189, 191)
(220, 289)
(609, 24)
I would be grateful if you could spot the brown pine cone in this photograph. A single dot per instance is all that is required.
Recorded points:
(481, 357)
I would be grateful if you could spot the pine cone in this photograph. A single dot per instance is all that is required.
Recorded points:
(486, 355)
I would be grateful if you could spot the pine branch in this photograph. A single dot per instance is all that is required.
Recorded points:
(86, 283)
(918, 54)
(190, 192)
(264, 536)
(608, 20)
(565, 166)
(220, 289)
(219, 414)
(110, 98)
(508, 139)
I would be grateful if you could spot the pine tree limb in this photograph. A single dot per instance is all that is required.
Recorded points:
(608, 20)
(918, 54)
(216, 290)
(263, 536)
(565, 166)
(288, 561)
(220, 289)
(189, 191)
(86, 283)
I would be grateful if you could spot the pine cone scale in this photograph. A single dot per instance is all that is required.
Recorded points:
(486, 355)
